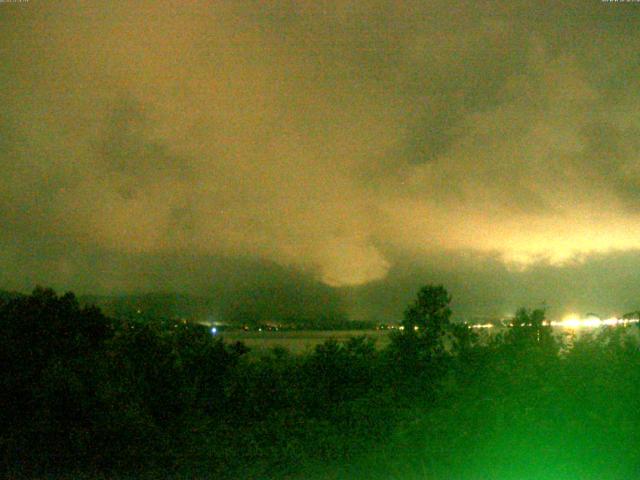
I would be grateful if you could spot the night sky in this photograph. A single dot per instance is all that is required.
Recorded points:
(346, 152)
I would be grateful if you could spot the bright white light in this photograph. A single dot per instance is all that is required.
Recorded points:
(574, 321)
(591, 322)
(214, 330)
(570, 321)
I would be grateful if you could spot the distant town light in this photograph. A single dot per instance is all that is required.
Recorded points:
(574, 321)
(571, 321)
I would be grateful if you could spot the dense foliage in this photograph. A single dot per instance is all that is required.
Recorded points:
(86, 396)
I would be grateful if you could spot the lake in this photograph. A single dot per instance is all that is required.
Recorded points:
(300, 341)
(303, 341)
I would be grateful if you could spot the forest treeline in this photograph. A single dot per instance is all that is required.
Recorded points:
(87, 396)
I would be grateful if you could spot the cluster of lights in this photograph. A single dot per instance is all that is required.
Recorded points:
(573, 321)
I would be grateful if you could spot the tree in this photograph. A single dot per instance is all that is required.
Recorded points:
(530, 329)
(419, 347)
(48, 350)
(429, 314)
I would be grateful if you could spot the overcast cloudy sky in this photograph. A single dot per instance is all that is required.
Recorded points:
(357, 149)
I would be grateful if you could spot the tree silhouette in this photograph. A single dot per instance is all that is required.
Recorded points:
(429, 314)
(529, 329)
(420, 346)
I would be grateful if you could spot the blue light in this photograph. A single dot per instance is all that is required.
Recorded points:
(214, 330)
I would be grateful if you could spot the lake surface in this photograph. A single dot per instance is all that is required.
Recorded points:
(303, 341)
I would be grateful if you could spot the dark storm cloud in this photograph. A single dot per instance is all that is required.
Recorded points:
(612, 159)
(132, 159)
(332, 139)
(483, 288)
